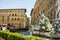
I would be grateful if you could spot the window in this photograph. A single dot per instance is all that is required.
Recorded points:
(8, 18)
(15, 18)
(12, 14)
(18, 18)
(15, 14)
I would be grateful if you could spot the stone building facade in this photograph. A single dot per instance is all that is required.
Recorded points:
(13, 17)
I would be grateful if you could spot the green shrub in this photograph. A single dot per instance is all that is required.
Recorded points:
(4, 34)
(35, 38)
(17, 29)
(16, 36)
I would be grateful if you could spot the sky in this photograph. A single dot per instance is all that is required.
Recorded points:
(28, 4)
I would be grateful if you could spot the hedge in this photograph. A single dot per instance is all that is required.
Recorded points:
(7, 35)
(17, 29)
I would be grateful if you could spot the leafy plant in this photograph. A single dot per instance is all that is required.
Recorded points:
(7, 35)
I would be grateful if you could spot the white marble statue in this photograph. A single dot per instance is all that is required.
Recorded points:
(44, 20)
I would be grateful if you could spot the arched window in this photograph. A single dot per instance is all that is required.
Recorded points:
(12, 14)
(15, 14)
(18, 18)
(15, 18)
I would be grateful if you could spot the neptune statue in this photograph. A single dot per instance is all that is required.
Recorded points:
(45, 21)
